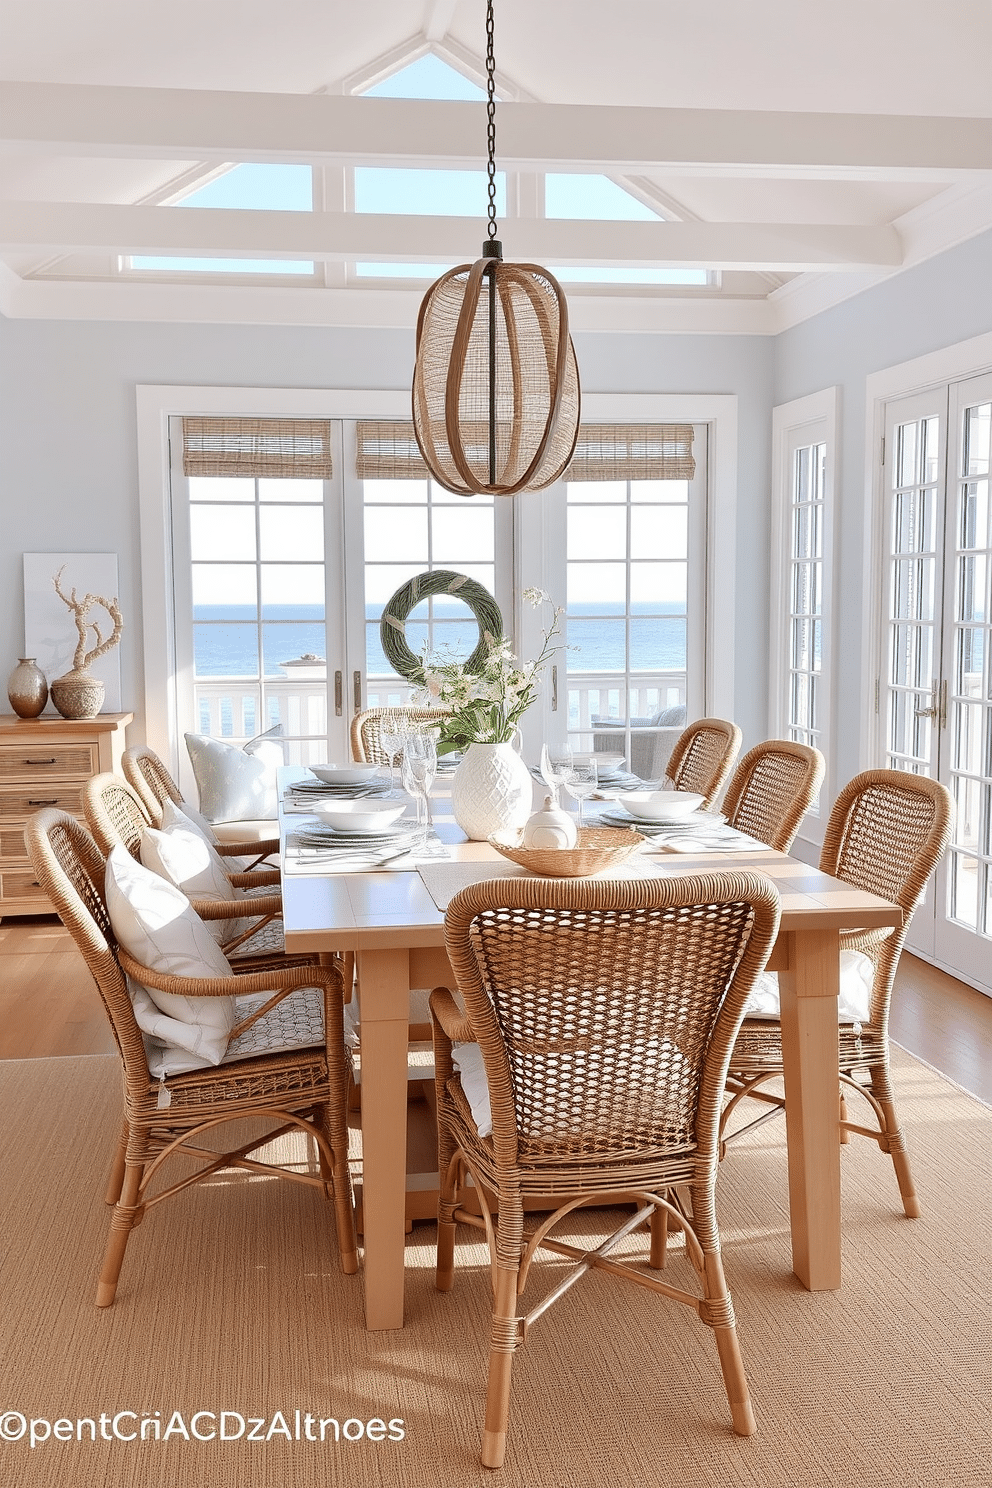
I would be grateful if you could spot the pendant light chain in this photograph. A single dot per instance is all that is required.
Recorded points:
(491, 117)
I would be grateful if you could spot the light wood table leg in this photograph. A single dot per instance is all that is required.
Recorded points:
(384, 998)
(809, 989)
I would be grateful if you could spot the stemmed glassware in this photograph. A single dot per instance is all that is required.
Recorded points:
(556, 762)
(581, 780)
(390, 737)
(418, 766)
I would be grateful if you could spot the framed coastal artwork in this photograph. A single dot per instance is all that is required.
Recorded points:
(50, 634)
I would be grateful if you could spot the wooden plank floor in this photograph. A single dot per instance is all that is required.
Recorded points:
(49, 1006)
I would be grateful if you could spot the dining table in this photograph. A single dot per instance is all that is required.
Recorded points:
(392, 918)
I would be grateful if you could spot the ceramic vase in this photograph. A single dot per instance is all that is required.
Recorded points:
(491, 790)
(27, 688)
(78, 695)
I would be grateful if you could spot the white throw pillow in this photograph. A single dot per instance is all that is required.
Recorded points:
(191, 820)
(853, 1002)
(157, 925)
(237, 784)
(184, 857)
(187, 817)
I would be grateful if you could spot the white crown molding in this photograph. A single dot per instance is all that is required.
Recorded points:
(961, 212)
(353, 308)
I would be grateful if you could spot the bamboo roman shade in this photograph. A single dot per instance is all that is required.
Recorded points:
(296, 448)
(607, 452)
(387, 450)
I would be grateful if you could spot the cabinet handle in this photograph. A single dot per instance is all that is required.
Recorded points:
(338, 693)
(51, 761)
(53, 802)
(357, 683)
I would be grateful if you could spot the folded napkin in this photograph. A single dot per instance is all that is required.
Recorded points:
(313, 849)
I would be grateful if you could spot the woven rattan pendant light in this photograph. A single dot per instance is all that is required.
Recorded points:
(496, 386)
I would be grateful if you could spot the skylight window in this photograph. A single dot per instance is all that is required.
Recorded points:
(428, 77)
(162, 264)
(593, 198)
(247, 187)
(433, 193)
(258, 188)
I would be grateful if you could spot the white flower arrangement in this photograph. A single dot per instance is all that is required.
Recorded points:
(487, 705)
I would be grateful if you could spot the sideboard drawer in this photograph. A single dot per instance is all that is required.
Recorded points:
(20, 883)
(46, 761)
(37, 761)
(21, 801)
(12, 849)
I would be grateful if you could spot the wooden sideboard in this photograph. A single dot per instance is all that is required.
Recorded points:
(45, 762)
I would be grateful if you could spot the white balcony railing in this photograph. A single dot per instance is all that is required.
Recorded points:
(233, 709)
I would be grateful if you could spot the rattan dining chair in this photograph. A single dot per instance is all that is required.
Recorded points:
(604, 1013)
(115, 814)
(302, 1089)
(366, 740)
(146, 774)
(886, 834)
(772, 789)
(703, 757)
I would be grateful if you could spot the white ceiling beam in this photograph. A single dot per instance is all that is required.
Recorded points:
(195, 231)
(165, 123)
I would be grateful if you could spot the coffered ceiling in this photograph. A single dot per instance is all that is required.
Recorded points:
(795, 152)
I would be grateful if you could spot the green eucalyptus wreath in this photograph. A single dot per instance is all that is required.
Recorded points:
(392, 628)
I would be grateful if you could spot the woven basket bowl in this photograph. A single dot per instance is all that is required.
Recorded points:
(597, 849)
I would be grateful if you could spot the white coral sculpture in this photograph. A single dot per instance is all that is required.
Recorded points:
(80, 614)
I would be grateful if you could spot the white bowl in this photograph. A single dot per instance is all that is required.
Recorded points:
(344, 774)
(661, 805)
(608, 764)
(359, 816)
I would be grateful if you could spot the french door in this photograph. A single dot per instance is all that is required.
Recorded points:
(935, 702)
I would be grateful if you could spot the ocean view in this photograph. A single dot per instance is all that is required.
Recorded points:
(226, 640)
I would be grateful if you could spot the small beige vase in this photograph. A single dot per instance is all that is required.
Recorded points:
(27, 688)
(78, 695)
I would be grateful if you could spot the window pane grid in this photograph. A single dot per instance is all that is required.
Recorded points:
(805, 592)
(413, 527)
(627, 612)
(913, 629)
(969, 702)
(258, 607)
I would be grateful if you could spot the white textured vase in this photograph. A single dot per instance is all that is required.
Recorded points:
(491, 789)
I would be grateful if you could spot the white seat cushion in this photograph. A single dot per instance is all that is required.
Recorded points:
(157, 925)
(236, 784)
(853, 1002)
(472, 1073)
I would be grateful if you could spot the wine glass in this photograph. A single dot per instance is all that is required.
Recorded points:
(556, 762)
(390, 737)
(581, 780)
(418, 766)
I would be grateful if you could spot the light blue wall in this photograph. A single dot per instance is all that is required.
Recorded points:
(68, 457)
(935, 305)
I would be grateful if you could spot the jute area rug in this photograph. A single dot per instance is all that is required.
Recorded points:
(231, 1300)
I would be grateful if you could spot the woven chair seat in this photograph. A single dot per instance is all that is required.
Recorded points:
(268, 940)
